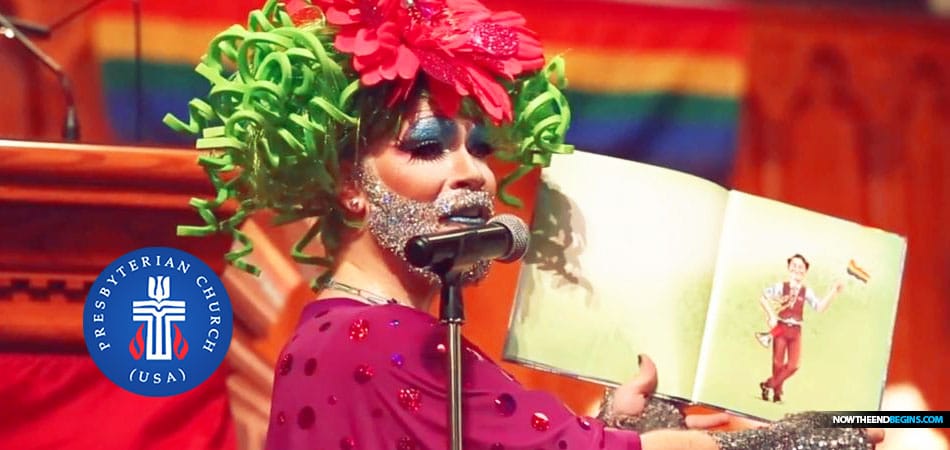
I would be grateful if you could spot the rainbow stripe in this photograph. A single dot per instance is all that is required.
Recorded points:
(855, 271)
(174, 36)
(650, 83)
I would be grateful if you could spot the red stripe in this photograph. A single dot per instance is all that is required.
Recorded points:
(577, 23)
(230, 11)
(633, 27)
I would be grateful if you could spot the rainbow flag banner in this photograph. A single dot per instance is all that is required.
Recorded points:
(651, 83)
(174, 37)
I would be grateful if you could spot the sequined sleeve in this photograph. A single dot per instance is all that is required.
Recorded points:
(360, 377)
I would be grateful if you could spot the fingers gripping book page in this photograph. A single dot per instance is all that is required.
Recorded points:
(802, 312)
(621, 262)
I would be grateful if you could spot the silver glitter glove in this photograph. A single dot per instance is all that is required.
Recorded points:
(802, 431)
(658, 414)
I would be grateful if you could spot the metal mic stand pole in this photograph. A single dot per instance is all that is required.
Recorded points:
(71, 123)
(451, 313)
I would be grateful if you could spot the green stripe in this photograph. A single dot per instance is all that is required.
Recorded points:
(120, 74)
(666, 105)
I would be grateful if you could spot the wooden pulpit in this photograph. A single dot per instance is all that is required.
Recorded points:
(67, 211)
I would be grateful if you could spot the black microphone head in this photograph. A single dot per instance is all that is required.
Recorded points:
(418, 252)
(519, 236)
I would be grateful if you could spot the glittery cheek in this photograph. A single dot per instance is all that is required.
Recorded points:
(394, 219)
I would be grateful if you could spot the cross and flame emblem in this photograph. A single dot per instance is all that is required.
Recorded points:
(158, 337)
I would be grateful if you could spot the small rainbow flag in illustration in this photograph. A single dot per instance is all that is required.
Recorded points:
(855, 271)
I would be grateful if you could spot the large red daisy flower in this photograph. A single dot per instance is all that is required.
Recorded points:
(462, 47)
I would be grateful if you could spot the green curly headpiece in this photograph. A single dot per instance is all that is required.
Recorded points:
(285, 107)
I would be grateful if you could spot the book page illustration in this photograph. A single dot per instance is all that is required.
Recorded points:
(830, 288)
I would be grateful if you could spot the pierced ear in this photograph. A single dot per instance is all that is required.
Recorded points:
(355, 205)
(351, 197)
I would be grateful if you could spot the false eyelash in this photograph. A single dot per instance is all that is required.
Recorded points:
(430, 150)
(477, 144)
(480, 149)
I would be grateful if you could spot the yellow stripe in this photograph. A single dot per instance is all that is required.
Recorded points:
(625, 71)
(163, 40)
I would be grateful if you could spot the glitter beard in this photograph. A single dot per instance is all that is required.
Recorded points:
(395, 219)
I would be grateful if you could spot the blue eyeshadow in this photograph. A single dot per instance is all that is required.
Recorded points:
(428, 130)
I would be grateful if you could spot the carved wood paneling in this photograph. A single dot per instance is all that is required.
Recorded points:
(67, 211)
(848, 114)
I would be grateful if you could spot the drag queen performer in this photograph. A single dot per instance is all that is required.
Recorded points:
(373, 119)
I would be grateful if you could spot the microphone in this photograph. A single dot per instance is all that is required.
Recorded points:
(504, 237)
(71, 125)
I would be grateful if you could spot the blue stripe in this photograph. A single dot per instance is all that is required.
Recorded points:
(166, 90)
(705, 150)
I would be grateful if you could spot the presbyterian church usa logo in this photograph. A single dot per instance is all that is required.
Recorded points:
(157, 321)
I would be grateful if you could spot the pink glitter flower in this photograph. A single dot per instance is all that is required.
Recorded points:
(463, 48)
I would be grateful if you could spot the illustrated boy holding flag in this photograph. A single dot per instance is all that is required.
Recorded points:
(784, 304)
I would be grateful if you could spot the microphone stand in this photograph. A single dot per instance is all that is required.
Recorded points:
(451, 313)
(27, 27)
(16, 27)
(506, 238)
(71, 124)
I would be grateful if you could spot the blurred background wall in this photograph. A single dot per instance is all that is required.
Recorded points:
(842, 107)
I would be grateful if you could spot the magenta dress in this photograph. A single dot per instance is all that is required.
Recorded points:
(356, 376)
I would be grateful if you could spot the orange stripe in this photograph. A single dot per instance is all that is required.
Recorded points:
(163, 40)
(230, 11)
(624, 72)
(858, 271)
(591, 69)
(627, 25)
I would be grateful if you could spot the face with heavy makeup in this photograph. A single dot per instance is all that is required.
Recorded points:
(433, 176)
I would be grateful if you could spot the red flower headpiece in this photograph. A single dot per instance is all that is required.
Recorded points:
(461, 45)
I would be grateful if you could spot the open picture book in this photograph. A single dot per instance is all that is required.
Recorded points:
(628, 259)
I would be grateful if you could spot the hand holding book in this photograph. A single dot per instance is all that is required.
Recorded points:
(632, 406)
